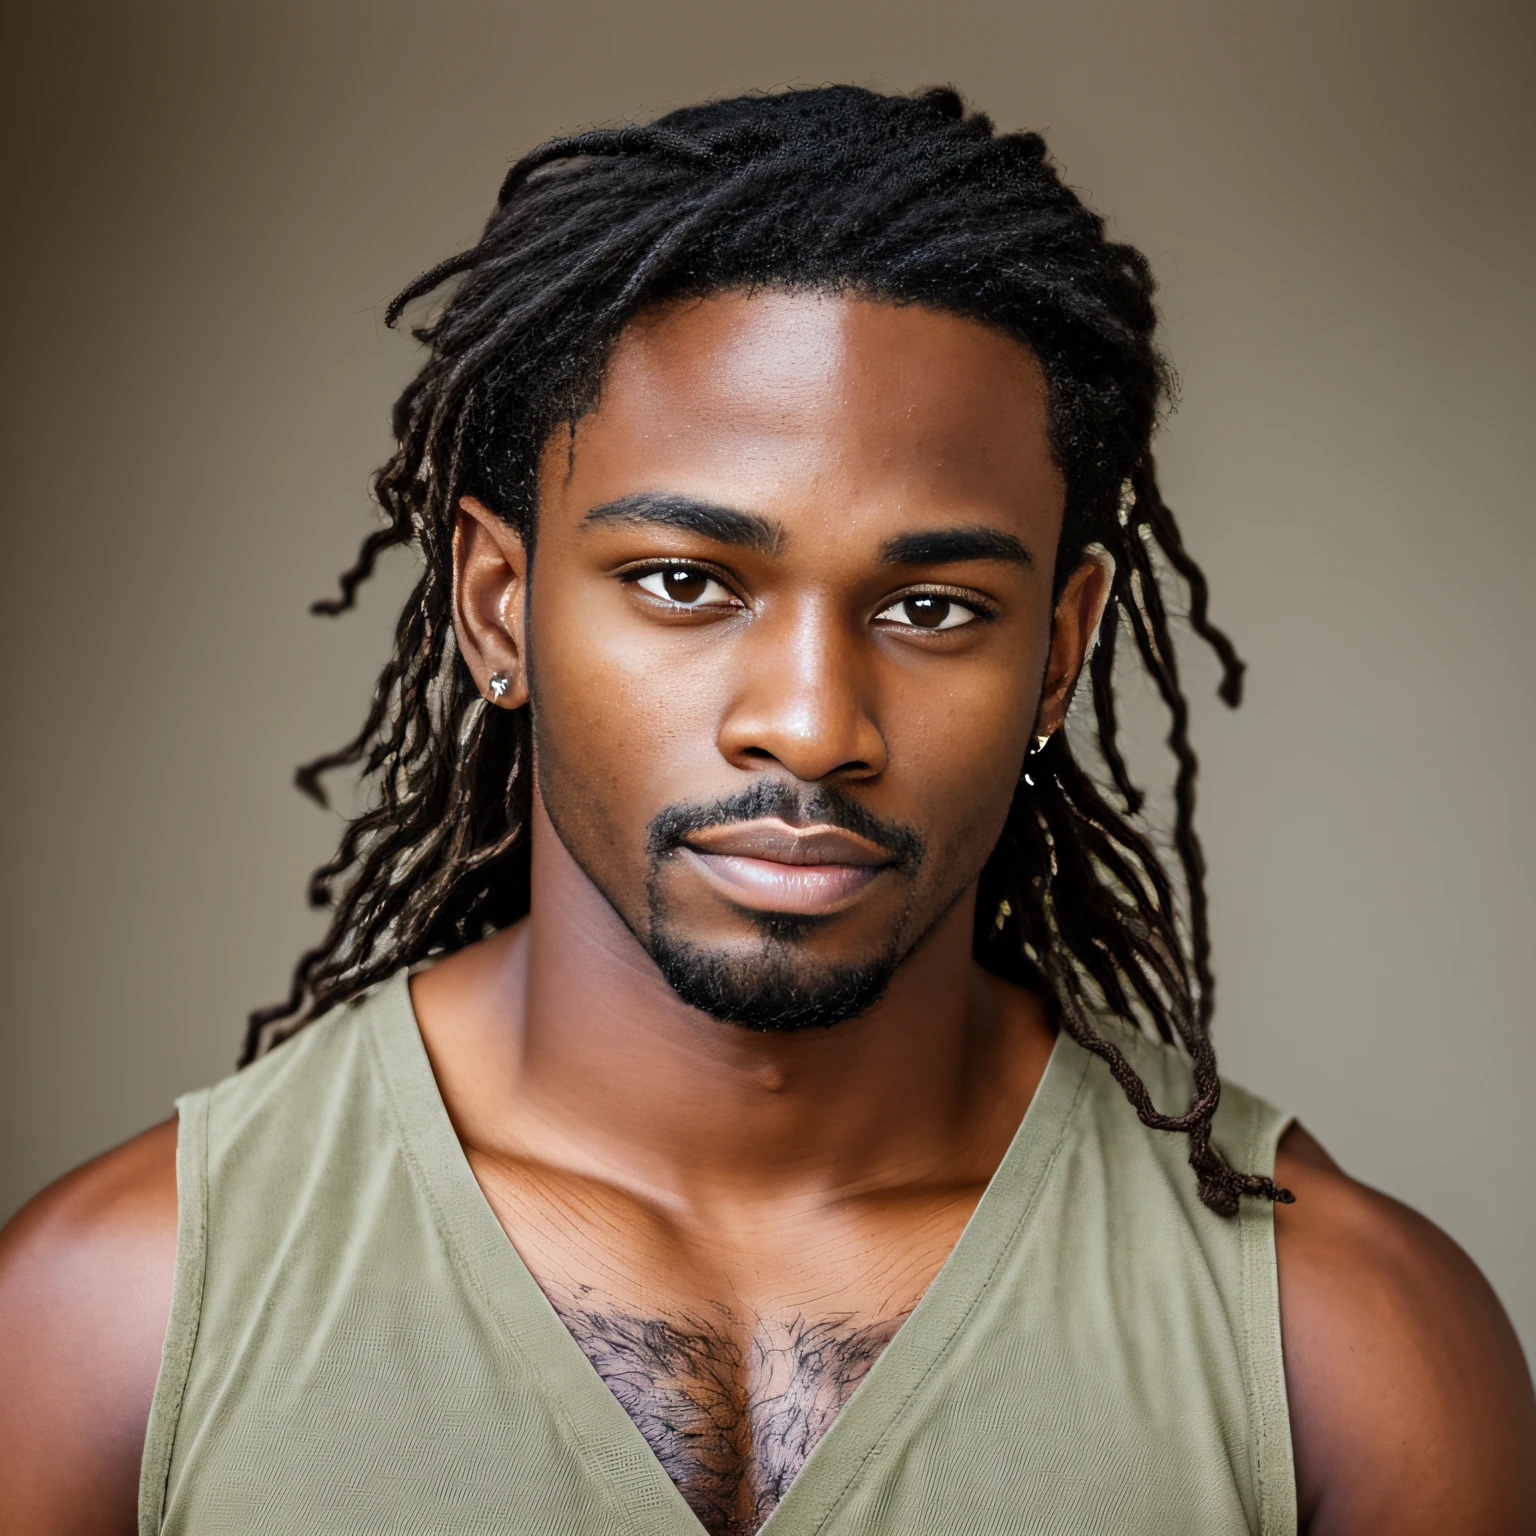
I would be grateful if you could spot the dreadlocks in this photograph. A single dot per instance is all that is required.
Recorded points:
(902, 199)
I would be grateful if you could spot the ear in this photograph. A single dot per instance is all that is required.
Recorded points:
(1074, 630)
(490, 585)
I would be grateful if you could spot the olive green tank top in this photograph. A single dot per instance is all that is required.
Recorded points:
(356, 1347)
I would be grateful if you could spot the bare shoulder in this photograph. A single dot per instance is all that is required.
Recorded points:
(86, 1270)
(1411, 1403)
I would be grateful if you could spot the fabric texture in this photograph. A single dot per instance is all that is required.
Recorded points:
(355, 1346)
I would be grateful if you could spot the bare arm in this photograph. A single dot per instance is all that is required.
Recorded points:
(85, 1292)
(1411, 1405)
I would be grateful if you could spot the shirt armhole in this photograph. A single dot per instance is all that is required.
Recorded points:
(1274, 1463)
(186, 1308)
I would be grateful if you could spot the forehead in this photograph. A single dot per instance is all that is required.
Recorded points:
(790, 403)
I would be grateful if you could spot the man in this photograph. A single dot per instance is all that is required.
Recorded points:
(732, 1096)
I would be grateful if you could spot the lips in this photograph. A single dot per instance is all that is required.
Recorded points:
(770, 866)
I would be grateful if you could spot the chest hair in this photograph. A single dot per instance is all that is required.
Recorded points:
(730, 1412)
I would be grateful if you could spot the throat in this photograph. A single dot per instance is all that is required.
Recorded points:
(731, 1407)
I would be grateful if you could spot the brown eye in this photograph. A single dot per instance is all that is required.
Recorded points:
(683, 585)
(926, 612)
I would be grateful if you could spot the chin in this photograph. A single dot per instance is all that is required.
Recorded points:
(774, 990)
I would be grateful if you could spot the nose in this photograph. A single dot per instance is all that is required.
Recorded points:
(803, 699)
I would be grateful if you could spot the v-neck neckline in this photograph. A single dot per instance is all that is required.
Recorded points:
(644, 1499)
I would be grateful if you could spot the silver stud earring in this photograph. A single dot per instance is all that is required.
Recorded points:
(1040, 742)
(499, 684)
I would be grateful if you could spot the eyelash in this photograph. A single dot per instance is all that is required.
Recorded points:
(978, 610)
(967, 604)
(674, 567)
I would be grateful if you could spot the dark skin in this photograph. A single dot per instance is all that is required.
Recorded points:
(776, 1203)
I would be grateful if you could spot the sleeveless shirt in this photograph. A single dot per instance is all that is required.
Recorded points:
(355, 1346)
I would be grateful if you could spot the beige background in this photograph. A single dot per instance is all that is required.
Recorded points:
(206, 205)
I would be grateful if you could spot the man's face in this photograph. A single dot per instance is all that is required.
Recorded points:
(791, 612)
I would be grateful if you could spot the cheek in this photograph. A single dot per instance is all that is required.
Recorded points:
(620, 717)
(961, 750)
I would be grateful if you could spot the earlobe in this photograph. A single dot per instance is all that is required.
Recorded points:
(489, 572)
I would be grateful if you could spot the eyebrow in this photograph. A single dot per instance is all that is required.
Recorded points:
(944, 546)
(725, 525)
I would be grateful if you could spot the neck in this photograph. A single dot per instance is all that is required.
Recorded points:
(563, 1031)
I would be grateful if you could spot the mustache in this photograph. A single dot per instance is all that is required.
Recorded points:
(799, 807)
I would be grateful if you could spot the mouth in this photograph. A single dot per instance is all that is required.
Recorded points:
(770, 866)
